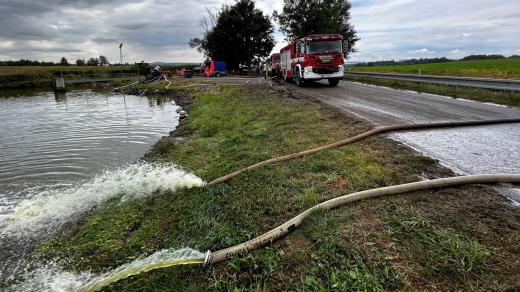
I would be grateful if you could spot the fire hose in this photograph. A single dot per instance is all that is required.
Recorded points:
(361, 136)
(283, 229)
(287, 227)
(290, 225)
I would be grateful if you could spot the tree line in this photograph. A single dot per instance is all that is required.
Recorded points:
(240, 34)
(102, 60)
(430, 60)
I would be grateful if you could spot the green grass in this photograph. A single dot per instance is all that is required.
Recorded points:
(494, 68)
(440, 250)
(347, 248)
(478, 94)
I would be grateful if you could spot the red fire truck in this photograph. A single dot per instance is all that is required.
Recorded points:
(314, 57)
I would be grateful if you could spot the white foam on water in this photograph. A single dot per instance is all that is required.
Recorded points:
(51, 277)
(50, 209)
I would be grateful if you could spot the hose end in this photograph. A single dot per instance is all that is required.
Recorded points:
(208, 258)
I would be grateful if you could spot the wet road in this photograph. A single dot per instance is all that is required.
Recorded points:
(469, 150)
(385, 106)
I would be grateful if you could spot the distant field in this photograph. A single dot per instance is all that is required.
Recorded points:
(496, 68)
(29, 70)
(27, 76)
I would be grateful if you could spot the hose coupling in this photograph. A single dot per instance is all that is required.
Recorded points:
(208, 258)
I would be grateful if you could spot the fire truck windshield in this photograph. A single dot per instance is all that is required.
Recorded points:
(324, 47)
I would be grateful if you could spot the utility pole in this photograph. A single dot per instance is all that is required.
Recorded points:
(121, 58)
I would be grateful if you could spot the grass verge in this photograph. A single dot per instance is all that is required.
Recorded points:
(361, 246)
(478, 94)
(492, 68)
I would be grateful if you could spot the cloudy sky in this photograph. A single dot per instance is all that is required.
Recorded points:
(159, 30)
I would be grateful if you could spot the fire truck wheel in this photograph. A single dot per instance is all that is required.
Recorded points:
(333, 81)
(298, 79)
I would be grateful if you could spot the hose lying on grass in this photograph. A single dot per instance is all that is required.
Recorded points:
(361, 136)
(285, 228)
(282, 230)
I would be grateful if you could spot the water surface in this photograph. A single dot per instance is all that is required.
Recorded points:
(51, 141)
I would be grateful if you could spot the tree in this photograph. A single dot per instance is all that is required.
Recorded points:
(241, 34)
(80, 62)
(103, 60)
(301, 18)
(64, 61)
(92, 62)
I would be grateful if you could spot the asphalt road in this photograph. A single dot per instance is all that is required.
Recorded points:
(385, 106)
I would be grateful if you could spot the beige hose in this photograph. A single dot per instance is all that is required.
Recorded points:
(360, 137)
(280, 231)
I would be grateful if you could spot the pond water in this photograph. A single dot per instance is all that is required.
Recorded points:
(63, 155)
(53, 140)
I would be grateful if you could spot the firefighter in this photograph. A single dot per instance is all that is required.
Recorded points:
(148, 72)
(265, 67)
(157, 71)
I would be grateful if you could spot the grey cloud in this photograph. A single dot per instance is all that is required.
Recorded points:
(133, 26)
(103, 40)
(160, 29)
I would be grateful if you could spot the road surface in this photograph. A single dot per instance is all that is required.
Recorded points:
(385, 106)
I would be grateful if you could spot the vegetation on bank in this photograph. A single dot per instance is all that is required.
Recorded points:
(485, 95)
(440, 239)
(492, 68)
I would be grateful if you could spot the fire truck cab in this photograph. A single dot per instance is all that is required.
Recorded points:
(314, 57)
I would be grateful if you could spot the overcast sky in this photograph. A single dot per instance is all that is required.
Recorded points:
(159, 30)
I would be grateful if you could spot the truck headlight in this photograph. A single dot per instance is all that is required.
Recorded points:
(308, 69)
(341, 68)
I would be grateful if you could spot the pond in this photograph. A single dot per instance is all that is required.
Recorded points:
(53, 140)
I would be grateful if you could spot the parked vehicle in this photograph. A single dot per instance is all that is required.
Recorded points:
(314, 57)
(215, 69)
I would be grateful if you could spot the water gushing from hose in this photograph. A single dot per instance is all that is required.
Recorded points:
(51, 277)
(48, 210)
